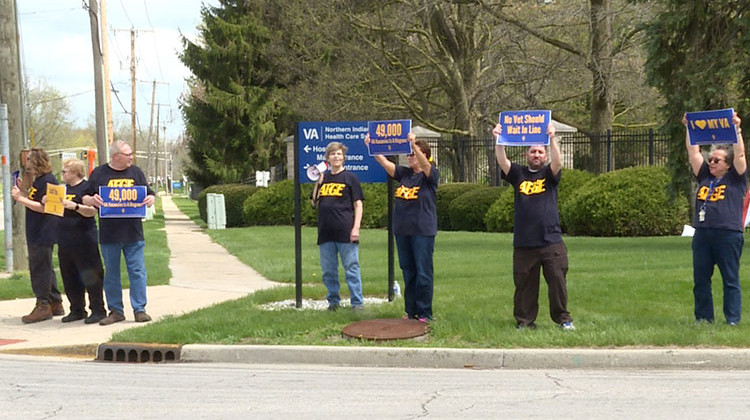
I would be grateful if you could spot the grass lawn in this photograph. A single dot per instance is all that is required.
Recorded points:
(622, 292)
(156, 253)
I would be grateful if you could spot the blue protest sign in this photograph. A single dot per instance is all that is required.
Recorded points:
(119, 202)
(315, 136)
(389, 137)
(524, 128)
(711, 127)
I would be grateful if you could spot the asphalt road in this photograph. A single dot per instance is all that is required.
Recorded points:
(44, 388)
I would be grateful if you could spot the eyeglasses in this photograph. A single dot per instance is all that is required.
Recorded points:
(126, 154)
(410, 155)
(715, 160)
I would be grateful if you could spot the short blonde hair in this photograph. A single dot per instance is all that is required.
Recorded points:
(75, 165)
(335, 146)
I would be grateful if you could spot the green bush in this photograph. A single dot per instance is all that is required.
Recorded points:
(499, 217)
(446, 193)
(375, 213)
(468, 209)
(572, 180)
(627, 202)
(275, 205)
(234, 198)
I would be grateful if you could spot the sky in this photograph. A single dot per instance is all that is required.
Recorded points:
(56, 48)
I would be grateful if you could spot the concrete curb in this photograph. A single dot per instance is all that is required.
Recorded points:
(718, 359)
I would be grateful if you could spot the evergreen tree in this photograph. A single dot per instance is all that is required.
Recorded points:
(234, 102)
(698, 59)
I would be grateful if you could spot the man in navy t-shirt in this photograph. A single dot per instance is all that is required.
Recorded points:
(121, 235)
(537, 236)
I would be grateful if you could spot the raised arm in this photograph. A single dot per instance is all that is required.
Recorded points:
(694, 152)
(390, 167)
(740, 161)
(555, 159)
(502, 158)
(422, 160)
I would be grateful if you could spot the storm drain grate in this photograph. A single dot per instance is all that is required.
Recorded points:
(138, 352)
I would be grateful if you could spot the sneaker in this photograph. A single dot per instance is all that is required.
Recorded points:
(95, 317)
(732, 323)
(112, 318)
(73, 316)
(57, 308)
(333, 307)
(142, 317)
(423, 319)
(41, 312)
(568, 326)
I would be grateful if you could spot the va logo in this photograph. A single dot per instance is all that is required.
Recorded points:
(310, 134)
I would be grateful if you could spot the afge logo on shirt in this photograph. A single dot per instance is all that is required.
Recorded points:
(332, 189)
(717, 195)
(121, 182)
(407, 193)
(532, 187)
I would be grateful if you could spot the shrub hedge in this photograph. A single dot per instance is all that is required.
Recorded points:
(468, 209)
(627, 202)
(275, 205)
(234, 198)
(446, 193)
(499, 216)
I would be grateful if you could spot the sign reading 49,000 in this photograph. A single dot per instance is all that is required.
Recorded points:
(122, 202)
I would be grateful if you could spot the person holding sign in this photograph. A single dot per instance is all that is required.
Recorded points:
(41, 235)
(339, 196)
(78, 249)
(718, 223)
(122, 235)
(537, 236)
(415, 225)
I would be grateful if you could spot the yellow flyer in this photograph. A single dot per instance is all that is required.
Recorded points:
(55, 197)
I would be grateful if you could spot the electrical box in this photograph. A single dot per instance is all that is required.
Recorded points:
(217, 214)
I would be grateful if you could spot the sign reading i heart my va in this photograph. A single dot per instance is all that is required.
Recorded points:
(524, 128)
(711, 127)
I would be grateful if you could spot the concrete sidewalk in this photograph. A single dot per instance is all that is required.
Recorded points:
(203, 274)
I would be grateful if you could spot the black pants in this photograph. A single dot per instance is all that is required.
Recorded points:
(81, 270)
(43, 279)
(553, 259)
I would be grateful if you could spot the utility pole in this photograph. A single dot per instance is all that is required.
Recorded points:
(133, 121)
(107, 85)
(101, 134)
(149, 162)
(157, 170)
(10, 94)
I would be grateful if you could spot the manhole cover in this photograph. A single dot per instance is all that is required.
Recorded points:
(386, 329)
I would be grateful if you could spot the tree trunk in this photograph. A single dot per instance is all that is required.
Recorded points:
(601, 69)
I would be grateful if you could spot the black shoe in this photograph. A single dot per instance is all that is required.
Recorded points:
(95, 317)
(531, 326)
(74, 316)
(333, 307)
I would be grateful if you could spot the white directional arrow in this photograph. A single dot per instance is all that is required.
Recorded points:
(306, 149)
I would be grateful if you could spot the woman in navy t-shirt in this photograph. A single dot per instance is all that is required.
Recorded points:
(718, 224)
(415, 225)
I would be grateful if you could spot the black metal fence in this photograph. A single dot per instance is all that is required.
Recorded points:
(473, 160)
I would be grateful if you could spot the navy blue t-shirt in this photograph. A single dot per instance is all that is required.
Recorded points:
(75, 228)
(415, 211)
(41, 228)
(536, 220)
(724, 207)
(114, 230)
(336, 197)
